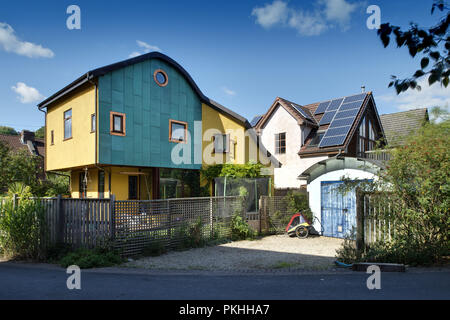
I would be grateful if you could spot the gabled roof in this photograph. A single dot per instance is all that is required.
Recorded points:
(15, 144)
(300, 113)
(305, 115)
(398, 126)
(92, 74)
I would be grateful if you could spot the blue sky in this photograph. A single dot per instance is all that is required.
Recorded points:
(242, 54)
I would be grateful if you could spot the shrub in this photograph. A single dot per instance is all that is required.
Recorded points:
(297, 202)
(240, 230)
(87, 258)
(23, 229)
(154, 248)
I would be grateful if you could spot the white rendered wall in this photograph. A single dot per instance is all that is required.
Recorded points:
(314, 189)
(292, 164)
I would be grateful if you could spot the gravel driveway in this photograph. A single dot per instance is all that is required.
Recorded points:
(273, 252)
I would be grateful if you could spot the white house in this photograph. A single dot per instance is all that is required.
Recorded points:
(319, 143)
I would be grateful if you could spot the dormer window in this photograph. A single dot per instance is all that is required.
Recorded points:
(317, 138)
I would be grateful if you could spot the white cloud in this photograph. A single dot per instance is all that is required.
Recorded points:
(339, 11)
(134, 54)
(146, 49)
(428, 97)
(10, 43)
(326, 15)
(307, 23)
(271, 14)
(229, 91)
(27, 94)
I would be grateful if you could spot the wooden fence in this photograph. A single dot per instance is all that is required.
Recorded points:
(133, 226)
(274, 214)
(374, 218)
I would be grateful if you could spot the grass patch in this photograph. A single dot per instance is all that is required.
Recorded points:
(95, 258)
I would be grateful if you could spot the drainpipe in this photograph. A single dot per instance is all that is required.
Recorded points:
(45, 140)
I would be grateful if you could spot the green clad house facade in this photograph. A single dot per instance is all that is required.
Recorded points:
(135, 129)
(149, 108)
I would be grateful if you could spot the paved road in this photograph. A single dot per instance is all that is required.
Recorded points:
(19, 281)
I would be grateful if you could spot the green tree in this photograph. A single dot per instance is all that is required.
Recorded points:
(4, 170)
(8, 131)
(414, 191)
(40, 133)
(431, 44)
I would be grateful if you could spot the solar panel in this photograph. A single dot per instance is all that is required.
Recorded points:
(335, 104)
(346, 114)
(302, 112)
(341, 119)
(332, 141)
(327, 117)
(351, 105)
(356, 97)
(343, 122)
(338, 131)
(322, 107)
(255, 120)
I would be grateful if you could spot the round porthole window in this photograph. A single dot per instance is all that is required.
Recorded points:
(161, 78)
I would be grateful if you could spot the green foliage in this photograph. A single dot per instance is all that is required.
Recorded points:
(297, 202)
(432, 44)
(91, 258)
(154, 248)
(240, 230)
(40, 133)
(23, 229)
(4, 171)
(416, 188)
(248, 170)
(27, 170)
(8, 131)
(56, 185)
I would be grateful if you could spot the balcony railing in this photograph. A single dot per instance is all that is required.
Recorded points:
(379, 155)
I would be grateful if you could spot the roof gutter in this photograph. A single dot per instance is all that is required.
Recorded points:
(71, 87)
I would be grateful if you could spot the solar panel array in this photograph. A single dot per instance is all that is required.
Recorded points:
(303, 112)
(341, 113)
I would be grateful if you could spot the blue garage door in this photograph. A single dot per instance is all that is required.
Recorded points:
(338, 209)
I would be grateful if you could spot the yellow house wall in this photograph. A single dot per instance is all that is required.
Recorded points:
(244, 149)
(80, 149)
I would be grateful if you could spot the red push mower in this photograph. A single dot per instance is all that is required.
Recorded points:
(300, 226)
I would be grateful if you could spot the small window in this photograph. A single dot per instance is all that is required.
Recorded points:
(68, 124)
(93, 122)
(101, 184)
(280, 143)
(132, 187)
(362, 128)
(221, 143)
(177, 131)
(82, 184)
(118, 123)
(316, 140)
(52, 137)
(160, 77)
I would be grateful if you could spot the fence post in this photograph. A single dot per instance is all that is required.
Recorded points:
(260, 214)
(359, 221)
(61, 220)
(169, 220)
(211, 220)
(14, 201)
(112, 216)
